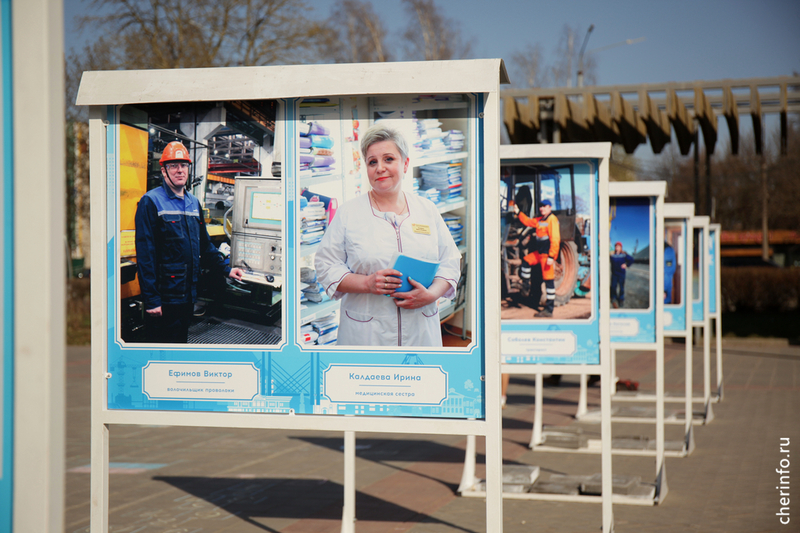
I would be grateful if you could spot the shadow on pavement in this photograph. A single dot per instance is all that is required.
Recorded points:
(287, 498)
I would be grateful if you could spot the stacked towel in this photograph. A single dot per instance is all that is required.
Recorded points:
(454, 141)
(316, 150)
(428, 138)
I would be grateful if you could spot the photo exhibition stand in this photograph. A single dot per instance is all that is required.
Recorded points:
(133, 381)
(562, 174)
(715, 299)
(701, 317)
(640, 326)
(636, 322)
(683, 319)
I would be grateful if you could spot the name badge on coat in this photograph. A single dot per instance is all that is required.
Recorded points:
(422, 229)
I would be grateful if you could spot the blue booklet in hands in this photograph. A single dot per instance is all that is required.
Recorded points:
(420, 271)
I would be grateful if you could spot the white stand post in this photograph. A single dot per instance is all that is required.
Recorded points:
(349, 509)
(614, 370)
(718, 339)
(468, 479)
(583, 399)
(689, 389)
(661, 472)
(606, 458)
(98, 518)
(536, 437)
(707, 361)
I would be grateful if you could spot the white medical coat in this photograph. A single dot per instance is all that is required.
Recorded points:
(361, 240)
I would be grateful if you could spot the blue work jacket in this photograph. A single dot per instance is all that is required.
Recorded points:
(172, 244)
(617, 260)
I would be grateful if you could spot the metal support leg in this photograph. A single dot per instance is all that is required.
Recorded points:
(98, 520)
(689, 388)
(583, 398)
(536, 437)
(718, 324)
(468, 479)
(349, 509)
(606, 458)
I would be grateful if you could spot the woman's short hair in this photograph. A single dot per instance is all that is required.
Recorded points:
(380, 132)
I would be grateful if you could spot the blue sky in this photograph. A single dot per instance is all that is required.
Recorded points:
(684, 40)
(631, 226)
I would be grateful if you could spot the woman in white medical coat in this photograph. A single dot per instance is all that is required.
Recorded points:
(354, 260)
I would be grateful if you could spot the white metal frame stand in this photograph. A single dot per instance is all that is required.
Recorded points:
(553, 153)
(715, 234)
(646, 190)
(118, 87)
(702, 222)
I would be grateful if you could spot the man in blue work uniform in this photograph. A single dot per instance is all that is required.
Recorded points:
(620, 261)
(172, 244)
(670, 266)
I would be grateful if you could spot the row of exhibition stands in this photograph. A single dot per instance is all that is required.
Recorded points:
(395, 390)
(687, 248)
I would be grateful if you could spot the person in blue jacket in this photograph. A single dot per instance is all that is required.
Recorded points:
(171, 244)
(620, 261)
(670, 266)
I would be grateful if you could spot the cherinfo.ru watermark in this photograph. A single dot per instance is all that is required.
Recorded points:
(783, 482)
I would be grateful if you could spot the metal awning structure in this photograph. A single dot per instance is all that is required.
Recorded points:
(630, 114)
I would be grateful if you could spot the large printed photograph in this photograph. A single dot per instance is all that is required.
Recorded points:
(200, 217)
(629, 238)
(673, 264)
(384, 210)
(545, 256)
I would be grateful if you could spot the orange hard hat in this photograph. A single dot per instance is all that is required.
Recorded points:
(175, 151)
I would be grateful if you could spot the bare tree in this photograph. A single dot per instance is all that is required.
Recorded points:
(360, 33)
(567, 58)
(167, 34)
(432, 36)
(527, 66)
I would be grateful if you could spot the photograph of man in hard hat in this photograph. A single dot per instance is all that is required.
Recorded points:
(171, 244)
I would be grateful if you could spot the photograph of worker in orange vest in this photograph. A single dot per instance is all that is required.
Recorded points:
(546, 257)
(544, 253)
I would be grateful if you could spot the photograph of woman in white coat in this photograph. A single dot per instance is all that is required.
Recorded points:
(354, 260)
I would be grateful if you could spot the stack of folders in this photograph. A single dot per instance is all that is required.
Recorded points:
(456, 228)
(313, 221)
(446, 177)
(327, 328)
(316, 150)
(310, 289)
(308, 335)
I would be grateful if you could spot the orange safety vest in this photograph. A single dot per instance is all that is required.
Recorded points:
(548, 233)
